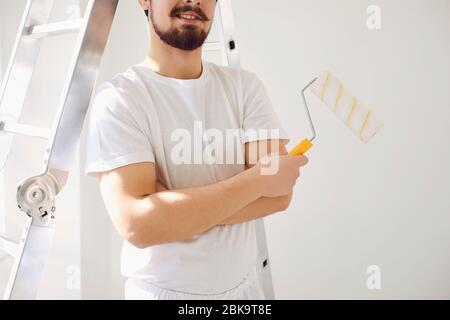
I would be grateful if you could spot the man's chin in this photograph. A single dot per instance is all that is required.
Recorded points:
(190, 28)
(186, 37)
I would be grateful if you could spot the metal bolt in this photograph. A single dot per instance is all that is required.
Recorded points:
(232, 45)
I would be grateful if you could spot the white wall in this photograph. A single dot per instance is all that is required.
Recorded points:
(385, 203)
(2, 178)
(357, 205)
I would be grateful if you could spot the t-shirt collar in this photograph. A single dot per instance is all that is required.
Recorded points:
(180, 83)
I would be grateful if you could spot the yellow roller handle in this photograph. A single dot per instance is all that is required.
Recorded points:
(301, 148)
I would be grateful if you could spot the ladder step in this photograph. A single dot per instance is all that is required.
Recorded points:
(54, 29)
(9, 247)
(212, 46)
(25, 130)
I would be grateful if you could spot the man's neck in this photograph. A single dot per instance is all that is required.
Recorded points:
(174, 63)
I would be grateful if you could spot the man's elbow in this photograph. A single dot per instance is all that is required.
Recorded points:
(140, 235)
(136, 239)
(285, 201)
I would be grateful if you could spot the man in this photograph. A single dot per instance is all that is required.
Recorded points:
(187, 215)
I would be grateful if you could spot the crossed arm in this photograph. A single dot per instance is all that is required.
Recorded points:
(263, 206)
(146, 214)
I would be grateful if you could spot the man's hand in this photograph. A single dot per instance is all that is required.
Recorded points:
(280, 179)
(267, 205)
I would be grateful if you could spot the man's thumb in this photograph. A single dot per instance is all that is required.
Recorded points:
(302, 160)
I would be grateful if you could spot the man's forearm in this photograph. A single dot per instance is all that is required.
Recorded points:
(177, 215)
(263, 206)
(259, 208)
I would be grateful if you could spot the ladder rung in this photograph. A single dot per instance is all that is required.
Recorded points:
(26, 130)
(8, 246)
(54, 29)
(212, 46)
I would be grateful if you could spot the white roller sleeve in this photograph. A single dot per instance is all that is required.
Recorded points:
(347, 107)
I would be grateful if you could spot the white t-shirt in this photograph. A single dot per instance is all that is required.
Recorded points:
(141, 116)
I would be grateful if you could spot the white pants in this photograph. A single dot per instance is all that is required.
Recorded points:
(249, 289)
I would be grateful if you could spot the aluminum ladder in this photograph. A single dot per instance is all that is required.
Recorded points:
(36, 195)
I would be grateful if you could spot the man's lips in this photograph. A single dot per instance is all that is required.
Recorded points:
(184, 19)
(190, 16)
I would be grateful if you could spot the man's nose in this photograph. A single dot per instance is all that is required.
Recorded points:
(193, 2)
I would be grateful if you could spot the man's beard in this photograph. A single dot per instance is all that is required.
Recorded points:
(188, 38)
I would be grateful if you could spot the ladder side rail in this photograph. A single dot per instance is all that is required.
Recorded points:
(78, 88)
(232, 55)
(37, 236)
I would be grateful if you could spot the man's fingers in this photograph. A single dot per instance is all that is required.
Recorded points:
(301, 160)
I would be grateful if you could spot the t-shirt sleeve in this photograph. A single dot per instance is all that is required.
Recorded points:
(114, 138)
(260, 119)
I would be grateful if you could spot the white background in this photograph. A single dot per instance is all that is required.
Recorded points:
(385, 203)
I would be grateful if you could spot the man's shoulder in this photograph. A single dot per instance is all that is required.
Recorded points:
(125, 80)
(231, 73)
(117, 94)
(122, 85)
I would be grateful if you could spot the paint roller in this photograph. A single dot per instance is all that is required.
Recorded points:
(344, 105)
